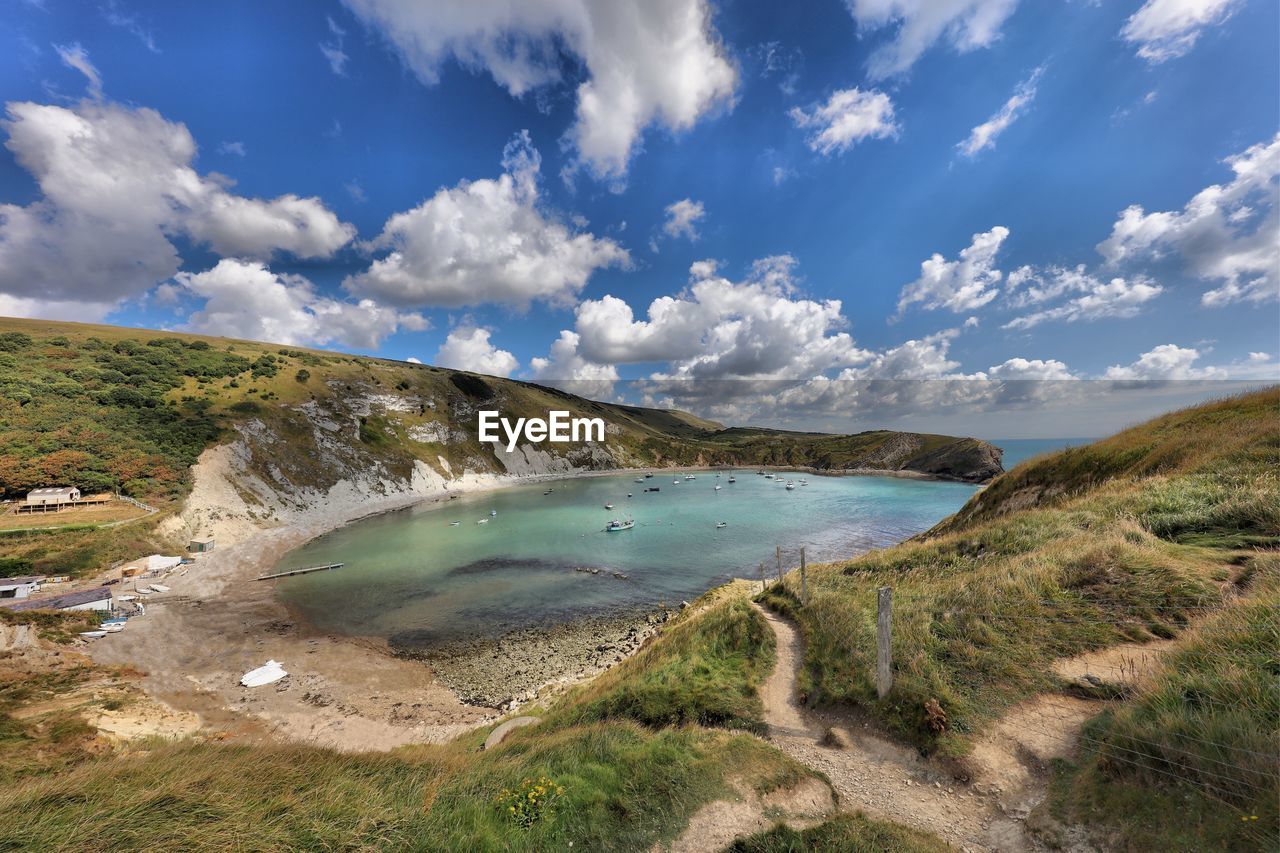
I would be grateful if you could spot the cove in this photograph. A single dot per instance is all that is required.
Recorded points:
(416, 579)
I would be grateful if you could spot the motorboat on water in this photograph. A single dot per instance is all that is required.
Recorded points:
(616, 525)
(493, 513)
(647, 476)
(721, 524)
(483, 521)
(768, 476)
(454, 523)
(791, 487)
(717, 488)
(268, 673)
(733, 479)
(690, 477)
(675, 482)
(639, 479)
(608, 506)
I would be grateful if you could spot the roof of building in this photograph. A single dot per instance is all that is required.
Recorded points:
(59, 602)
(19, 581)
(52, 490)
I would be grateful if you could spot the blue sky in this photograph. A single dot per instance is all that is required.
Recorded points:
(299, 172)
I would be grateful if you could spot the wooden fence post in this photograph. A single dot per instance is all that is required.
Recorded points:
(884, 640)
(804, 581)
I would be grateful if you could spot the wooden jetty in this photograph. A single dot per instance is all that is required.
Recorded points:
(305, 571)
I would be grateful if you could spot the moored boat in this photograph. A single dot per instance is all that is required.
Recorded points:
(616, 525)
(268, 673)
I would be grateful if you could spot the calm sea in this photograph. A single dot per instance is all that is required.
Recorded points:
(415, 578)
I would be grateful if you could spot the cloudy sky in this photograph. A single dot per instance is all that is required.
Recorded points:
(729, 205)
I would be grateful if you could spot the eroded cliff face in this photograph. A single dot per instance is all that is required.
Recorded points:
(350, 455)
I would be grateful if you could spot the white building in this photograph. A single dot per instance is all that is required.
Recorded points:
(55, 496)
(19, 587)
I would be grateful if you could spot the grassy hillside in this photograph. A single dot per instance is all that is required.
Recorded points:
(1167, 530)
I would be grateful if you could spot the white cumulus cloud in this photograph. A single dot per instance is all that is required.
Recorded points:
(245, 299)
(116, 184)
(1226, 233)
(964, 284)
(848, 117)
(646, 62)
(565, 368)
(484, 241)
(757, 328)
(469, 348)
(1165, 29)
(1096, 300)
(965, 25)
(683, 217)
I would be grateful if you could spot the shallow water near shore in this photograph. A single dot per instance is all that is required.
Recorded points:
(418, 580)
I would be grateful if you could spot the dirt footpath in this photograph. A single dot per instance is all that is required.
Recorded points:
(876, 776)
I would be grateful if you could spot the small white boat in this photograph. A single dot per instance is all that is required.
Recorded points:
(717, 488)
(647, 476)
(268, 673)
(639, 479)
(454, 523)
(608, 506)
(791, 487)
(159, 587)
(483, 521)
(615, 525)
(721, 524)
(675, 482)
(493, 513)
(768, 476)
(93, 635)
(690, 477)
(733, 479)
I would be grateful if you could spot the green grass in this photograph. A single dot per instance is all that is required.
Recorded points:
(1200, 742)
(706, 671)
(624, 788)
(847, 833)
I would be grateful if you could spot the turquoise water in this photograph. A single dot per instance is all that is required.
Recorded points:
(1018, 450)
(416, 580)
